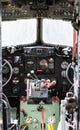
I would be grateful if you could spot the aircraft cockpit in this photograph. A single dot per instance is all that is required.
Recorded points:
(40, 65)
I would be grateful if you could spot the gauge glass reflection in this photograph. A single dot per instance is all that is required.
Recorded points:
(17, 59)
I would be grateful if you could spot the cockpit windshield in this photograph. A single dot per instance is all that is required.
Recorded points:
(19, 32)
(24, 32)
(57, 32)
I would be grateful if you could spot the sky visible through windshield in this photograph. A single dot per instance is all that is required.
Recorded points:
(22, 32)
(57, 32)
(19, 32)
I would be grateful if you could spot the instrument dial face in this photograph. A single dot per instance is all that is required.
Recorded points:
(43, 63)
(64, 65)
(4, 80)
(5, 69)
(15, 70)
(15, 80)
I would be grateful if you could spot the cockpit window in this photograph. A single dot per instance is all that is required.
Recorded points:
(24, 32)
(57, 32)
(19, 32)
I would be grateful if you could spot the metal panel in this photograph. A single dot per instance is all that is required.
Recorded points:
(32, 111)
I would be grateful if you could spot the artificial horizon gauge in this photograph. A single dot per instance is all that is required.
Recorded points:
(44, 64)
(64, 65)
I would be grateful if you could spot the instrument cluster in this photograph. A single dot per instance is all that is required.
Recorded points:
(47, 63)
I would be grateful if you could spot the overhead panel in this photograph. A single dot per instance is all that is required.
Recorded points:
(22, 9)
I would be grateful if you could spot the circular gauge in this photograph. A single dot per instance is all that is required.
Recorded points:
(15, 80)
(43, 63)
(51, 60)
(15, 70)
(64, 65)
(4, 80)
(5, 70)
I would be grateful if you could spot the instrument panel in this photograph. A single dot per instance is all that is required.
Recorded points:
(37, 62)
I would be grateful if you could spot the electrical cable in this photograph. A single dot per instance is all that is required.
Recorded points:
(11, 72)
(50, 127)
(17, 127)
(8, 107)
(65, 52)
(42, 120)
(5, 103)
(7, 112)
(11, 127)
(67, 70)
(7, 100)
(74, 43)
(60, 55)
